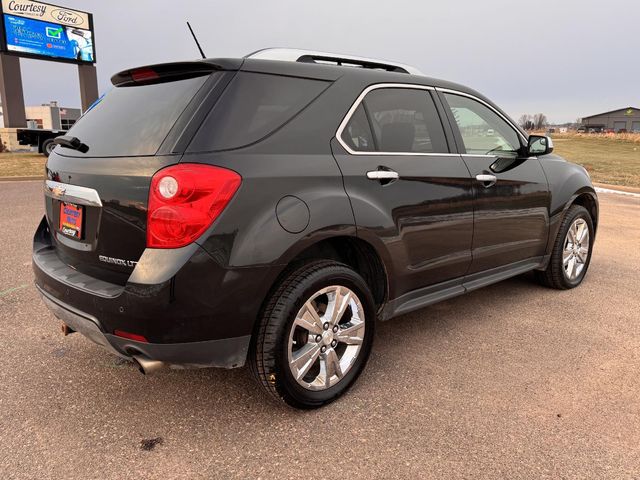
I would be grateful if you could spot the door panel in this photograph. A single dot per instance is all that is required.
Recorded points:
(424, 218)
(511, 194)
(512, 216)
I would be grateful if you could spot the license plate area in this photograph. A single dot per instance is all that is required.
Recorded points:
(71, 220)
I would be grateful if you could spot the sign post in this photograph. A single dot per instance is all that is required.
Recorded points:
(11, 93)
(39, 30)
(88, 85)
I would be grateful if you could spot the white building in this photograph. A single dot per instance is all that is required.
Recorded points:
(52, 117)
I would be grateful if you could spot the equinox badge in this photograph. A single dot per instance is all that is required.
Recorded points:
(117, 261)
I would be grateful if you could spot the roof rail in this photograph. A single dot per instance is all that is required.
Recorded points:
(309, 56)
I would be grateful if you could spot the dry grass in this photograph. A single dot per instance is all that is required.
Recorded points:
(609, 158)
(614, 137)
(22, 164)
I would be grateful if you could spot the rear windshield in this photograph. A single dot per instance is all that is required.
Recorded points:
(253, 106)
(133, 120)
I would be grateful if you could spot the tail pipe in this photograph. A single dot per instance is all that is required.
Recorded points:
(66, 329)
(148, 366)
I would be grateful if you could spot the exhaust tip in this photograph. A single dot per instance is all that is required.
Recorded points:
(66, 329)
(146, 366)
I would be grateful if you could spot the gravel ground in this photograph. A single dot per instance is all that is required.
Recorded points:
(511, 381)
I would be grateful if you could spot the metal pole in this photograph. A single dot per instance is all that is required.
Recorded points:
(11, 93)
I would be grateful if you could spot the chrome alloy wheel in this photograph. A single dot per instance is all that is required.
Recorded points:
(326, 337)
(576, 249)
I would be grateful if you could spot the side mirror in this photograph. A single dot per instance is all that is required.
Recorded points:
(539, 145)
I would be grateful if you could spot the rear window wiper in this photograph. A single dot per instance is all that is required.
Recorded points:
(73, 143)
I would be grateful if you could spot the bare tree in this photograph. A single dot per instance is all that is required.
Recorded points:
(522, 121)
(525, 121)
(539, 121)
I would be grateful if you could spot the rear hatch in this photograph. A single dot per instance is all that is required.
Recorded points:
(97, 186)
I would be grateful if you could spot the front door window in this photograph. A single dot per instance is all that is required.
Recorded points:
(483, 131)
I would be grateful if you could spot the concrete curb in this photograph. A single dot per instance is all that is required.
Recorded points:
(620, 188)
(617, 192)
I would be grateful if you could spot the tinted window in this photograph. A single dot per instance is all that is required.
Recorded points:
(253, 106)
(405, 120)
(357, 134)
(483, 130)
(133, 120)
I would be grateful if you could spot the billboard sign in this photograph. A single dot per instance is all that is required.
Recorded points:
(40, 30)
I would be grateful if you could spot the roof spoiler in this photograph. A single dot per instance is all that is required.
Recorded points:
(169, 72)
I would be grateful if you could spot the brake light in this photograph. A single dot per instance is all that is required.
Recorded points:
(184, 200)
(144, 75)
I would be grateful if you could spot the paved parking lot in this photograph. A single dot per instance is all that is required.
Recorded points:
(512, 381)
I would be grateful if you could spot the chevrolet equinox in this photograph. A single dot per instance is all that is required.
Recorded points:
(267, 210)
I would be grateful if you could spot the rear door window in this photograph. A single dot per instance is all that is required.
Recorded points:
(357, 134)
(133, 120)
(403, 120)
(253, 106)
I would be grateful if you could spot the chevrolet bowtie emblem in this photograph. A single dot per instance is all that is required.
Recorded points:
(58, 191)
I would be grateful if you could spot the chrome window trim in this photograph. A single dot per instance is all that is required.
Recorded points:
(376, 86)
(72, 193)
(357, 103)
(488, 156)
(486, 104)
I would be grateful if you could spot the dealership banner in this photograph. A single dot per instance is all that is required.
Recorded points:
(50, 32)
(46, 13)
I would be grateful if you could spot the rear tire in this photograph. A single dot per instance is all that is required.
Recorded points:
(315, 335)
(47, 147)
(571, 252)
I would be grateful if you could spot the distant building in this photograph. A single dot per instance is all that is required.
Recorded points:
(625, 119)
(49, 116)
(52, 117)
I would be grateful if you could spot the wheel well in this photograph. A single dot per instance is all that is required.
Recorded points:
(356, 253)
(585, 200)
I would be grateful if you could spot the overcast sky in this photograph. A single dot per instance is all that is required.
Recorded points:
(565, 58)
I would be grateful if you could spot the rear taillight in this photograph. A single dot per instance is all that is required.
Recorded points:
(185, 200)
(144, 75)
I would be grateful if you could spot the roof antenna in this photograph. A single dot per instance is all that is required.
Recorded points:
(196, 40)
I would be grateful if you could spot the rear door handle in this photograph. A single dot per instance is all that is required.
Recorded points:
(382, 175)
(486, 179)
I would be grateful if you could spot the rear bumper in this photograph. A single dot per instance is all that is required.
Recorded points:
(223, 353)
(191, 310)
(78, 321)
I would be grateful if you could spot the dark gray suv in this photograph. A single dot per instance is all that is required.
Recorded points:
(268, 209)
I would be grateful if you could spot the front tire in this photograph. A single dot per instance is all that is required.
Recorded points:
(315, 335)
(571, 252)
